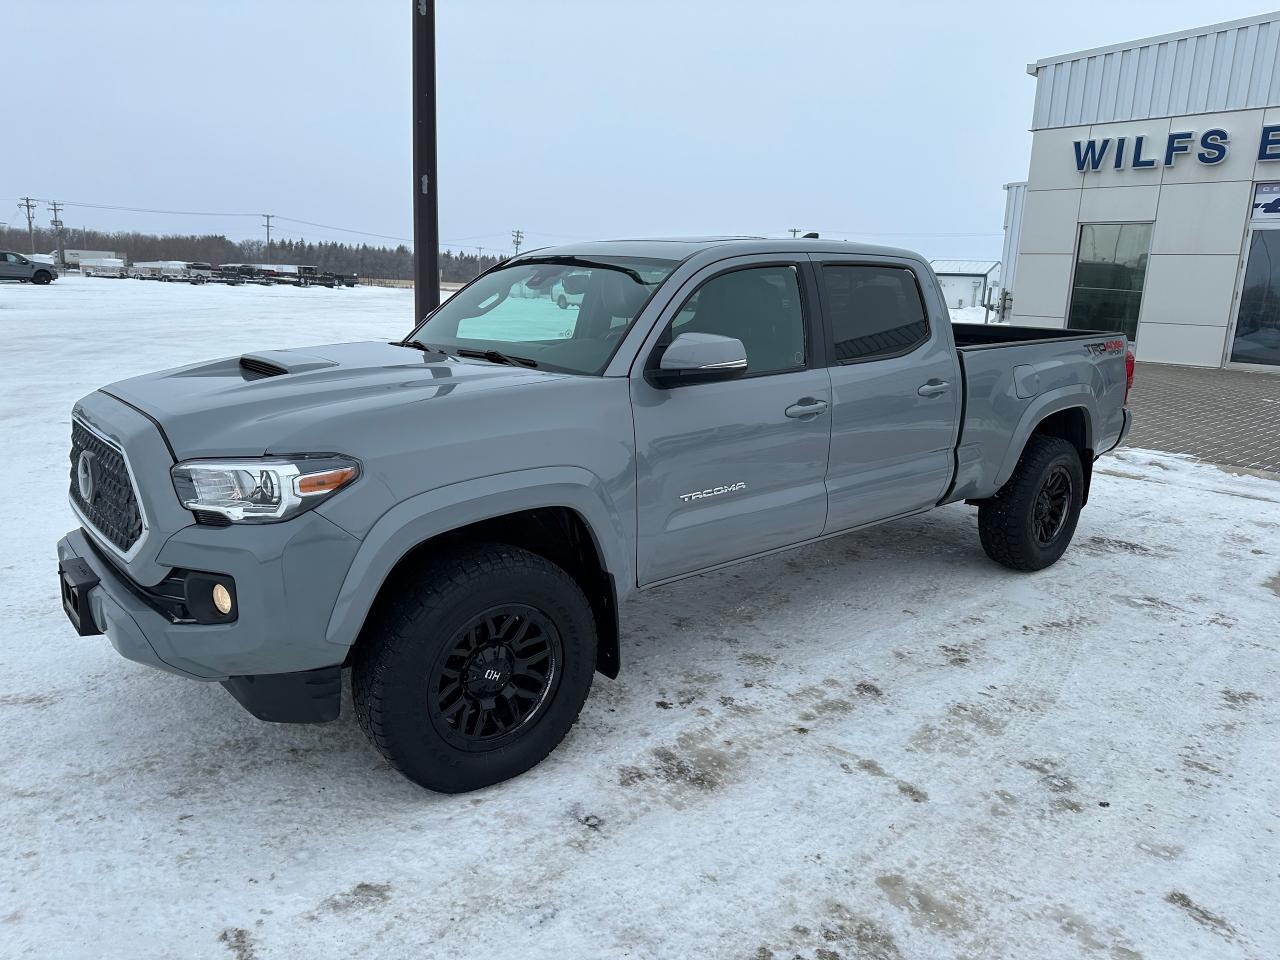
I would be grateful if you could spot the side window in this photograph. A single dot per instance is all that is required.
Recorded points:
(759, 306)
(875, 311)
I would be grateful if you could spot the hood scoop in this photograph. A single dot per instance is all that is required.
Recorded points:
(277, 363)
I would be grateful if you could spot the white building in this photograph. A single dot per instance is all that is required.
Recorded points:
(965, 283)
(1152, 204)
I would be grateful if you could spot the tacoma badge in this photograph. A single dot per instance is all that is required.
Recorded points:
(713, 492)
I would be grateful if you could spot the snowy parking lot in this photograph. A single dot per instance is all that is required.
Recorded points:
(883, 746)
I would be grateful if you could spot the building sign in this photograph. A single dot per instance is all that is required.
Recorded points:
(1143, 153)
(1266, 202)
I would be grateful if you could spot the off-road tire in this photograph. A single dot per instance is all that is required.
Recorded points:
(415, 624)
(42, 277)
(1006, 521)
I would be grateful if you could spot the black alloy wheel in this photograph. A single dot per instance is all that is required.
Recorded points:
(1053, 503)
(494, 676)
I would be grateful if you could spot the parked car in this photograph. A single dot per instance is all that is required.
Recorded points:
(568, 290)
(459, 517)
(14, 266)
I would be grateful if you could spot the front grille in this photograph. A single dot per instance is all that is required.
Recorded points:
(111, 507)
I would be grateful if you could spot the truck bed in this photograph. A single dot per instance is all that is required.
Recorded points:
(1014, 375)
(980, 336)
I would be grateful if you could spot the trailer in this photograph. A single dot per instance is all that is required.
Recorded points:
(76, 258)
(103, 267)
(182, 271)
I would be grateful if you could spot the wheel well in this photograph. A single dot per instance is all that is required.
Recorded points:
(560, 535)
(1071, 425)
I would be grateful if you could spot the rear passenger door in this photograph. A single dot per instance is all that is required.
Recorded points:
(895, 390)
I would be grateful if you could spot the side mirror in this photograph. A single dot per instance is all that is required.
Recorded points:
(699, 358)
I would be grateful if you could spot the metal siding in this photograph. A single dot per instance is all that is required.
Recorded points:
(1180, 82)
(1015, 197)
(1264, 61)
(1093, 80)
(1110, 84)
(1224, 48)
(1234, 66)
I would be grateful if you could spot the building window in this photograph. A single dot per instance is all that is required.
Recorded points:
(1111, 264)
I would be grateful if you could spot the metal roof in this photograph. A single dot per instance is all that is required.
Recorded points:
(1225, 66)
(964, 268)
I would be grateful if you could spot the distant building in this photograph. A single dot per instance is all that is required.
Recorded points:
(966, 283)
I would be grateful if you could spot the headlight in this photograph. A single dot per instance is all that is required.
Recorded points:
(261, 490)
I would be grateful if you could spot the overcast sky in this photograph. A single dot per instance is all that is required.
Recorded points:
(895, 122)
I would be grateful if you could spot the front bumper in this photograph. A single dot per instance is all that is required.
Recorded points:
(274, 656)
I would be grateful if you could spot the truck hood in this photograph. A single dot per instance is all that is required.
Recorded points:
(265, 402)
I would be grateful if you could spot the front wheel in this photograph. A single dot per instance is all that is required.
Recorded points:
(42, 277)
(1030, 521)
(474, 667)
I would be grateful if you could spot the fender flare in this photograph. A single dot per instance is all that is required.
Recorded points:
(1045, 405)
(416, 520)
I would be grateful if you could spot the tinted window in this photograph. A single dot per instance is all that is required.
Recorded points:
(1111, 265)
(760, 306)
(875, 311)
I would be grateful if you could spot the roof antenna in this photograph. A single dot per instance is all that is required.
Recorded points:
(810, 236)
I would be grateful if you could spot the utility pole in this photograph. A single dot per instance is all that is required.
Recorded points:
(30, 206)
(267, 217)
(479, 255)
(517, 238)
(55, 208)
(426, 206)
(794, 231)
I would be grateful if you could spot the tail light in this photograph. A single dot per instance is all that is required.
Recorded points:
(1128, 375)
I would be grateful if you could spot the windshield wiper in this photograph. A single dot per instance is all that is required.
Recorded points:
(419, 345)
(585, 262)
(497, 356)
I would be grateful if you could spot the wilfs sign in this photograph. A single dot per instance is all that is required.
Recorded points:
(1208, 148)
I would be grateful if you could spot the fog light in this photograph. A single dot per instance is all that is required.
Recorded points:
(221, 599)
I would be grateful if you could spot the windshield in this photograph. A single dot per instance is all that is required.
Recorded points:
(564, 313)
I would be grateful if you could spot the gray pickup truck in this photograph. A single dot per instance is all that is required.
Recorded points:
(14, 266)
(458, 516)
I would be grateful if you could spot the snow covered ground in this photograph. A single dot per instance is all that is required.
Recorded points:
(883, 746)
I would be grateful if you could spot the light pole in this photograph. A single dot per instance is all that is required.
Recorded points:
(426, 210)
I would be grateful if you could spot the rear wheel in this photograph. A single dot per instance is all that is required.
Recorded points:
(1030, 521)
(475, 667)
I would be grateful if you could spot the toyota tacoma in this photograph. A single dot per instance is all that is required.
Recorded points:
(456, 518)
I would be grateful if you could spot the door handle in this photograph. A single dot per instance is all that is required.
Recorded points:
(934, 388)
(806, 407)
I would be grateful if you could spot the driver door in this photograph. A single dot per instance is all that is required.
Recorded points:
(733, 468)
